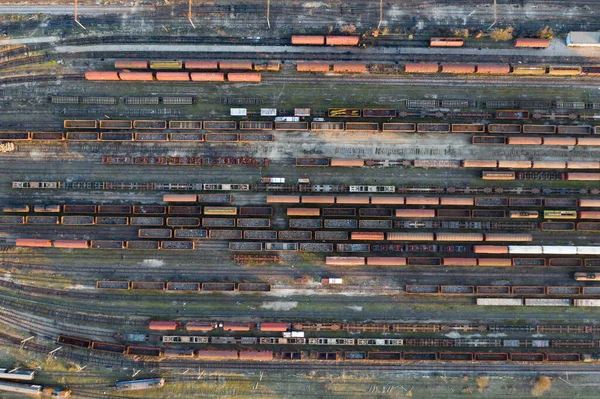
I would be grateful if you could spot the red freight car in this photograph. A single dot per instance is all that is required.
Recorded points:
(446, 42)
(421, 68)
(202, 65)
(308, 40)
(350, 67)
(136, 76)
(78, 244)
(208, 76)
(100, 75)
(273, 327)
(532, 43)
(33, 242)
(331, 40)
(244, 77)
(235, 65)
(162, 325)
(173, 76)
(493, 69)
(313, 66)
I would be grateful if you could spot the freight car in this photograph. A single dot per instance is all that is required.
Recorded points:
(19, 375)
(135, 385)
(446, 42)
(34, 390)
(586, 276)
(532, 43)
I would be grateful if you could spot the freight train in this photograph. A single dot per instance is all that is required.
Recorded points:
(538, 302)
(447, 164)
(443, 68)
(184, 161)
(382, 342)
(199, 65)
(546, 141)
(329, 40)
(410, 289)
(394, 356)
(179, 286)
(120, 136)
(509, 175)
(338, 40)
(226, 326)
(303, 188)
(330, 126)
(234, 77)
(538, 249)
(459, 42)
(438, 261)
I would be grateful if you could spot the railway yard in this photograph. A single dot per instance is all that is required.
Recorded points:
(319, 199)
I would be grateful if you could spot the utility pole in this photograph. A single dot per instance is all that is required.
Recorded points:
(24, 341)
(269, 13)
(76, 15)
(190, 14)
(381, 13)
(495, 12)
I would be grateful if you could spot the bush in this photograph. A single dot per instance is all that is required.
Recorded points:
(542, 385)
(348, 29)
(482, 383)
(460, 33)
(546, 33)
(503, 34)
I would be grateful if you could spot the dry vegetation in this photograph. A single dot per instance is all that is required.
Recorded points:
(460, 33)
(542, 385)
(482, 383)
(546, 33)
(503, 34)
(348, 29)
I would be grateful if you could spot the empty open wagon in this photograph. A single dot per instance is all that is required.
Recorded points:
(254, 287)
(80, 124)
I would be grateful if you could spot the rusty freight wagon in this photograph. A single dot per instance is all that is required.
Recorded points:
(512, 114)
(446, 42)
(331, 40)
(532, 43)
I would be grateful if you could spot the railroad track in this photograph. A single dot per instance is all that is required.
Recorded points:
(69, 314)
(41, 78)
(47, 329)
(353, 54)
(400, 80)
(386, 80)
(171, 365)
(261, 270)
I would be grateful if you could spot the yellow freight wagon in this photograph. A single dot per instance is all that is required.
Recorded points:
(166, 64)
(220, 210)
(560, 214)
